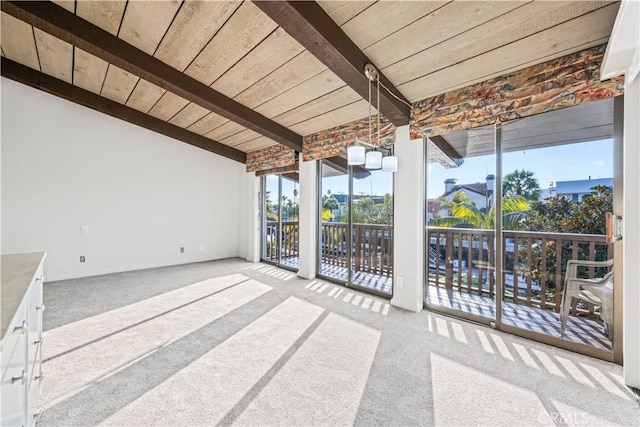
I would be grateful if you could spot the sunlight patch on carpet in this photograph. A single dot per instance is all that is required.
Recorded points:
(204, 391)
(323, 382)
(73, 371)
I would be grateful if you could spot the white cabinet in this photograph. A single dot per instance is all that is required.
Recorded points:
(21, 331)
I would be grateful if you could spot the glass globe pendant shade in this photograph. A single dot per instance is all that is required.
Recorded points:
(355, 155)
(373, 160)
(390, 164)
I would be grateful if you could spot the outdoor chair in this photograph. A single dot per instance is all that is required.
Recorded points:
(597, 291)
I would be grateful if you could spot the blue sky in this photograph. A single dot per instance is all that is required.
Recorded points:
(560, 163)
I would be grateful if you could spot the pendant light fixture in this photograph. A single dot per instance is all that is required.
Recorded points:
(390, 164)
(373, 160)
(357, 153)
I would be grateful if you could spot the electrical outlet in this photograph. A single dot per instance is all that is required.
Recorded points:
(201, 248)
(84, 229)
(181, 249)
(82, 258)
(400, 281)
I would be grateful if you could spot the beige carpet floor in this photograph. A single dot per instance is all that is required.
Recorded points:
(229, 342)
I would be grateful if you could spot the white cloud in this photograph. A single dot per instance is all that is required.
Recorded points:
(598, 163)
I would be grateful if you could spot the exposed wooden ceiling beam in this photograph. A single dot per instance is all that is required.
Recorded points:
(448, 156)
(293, 176)
(46, 83)
(340, 164)
(314, 29)
(281, 170)
(66, 26)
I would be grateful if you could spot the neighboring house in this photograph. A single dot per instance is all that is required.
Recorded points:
(547, 192)
(480, 193)
(576, 190)
(433, 208)
(343, 201)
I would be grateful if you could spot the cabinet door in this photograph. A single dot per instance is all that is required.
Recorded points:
(13, 403)
(34, 319)
(34, 337)
(14, 385)
(32, 401)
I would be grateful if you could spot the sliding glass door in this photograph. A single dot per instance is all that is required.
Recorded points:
(460, 252)
(271, 218)
(372, 231)
(560, 166)
(280, 220)
(333, 259)
(356, 227)
(516, 222)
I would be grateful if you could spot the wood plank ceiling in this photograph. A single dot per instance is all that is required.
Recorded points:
(423, 48)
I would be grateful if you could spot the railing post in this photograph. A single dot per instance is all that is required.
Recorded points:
(491, 264)
(559, 275)
(459, 259)
(543, 274)
(448, 272)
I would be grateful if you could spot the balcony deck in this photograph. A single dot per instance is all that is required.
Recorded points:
(582, 330)
(460, 263)
(375, 282)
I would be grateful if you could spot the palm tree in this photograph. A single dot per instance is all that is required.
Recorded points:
(330, 202)
(465, 214)
(521, 183)
(272, 209)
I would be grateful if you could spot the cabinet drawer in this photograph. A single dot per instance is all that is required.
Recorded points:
(13, 400)
(33, 396)
(34, 334)
(35, 367)
(34, 294)
(35, 364)
(14, 342)
(14, 382)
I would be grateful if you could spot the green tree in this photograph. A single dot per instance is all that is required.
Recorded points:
(366, 211)
(465, 214)
(521, 183)
(589, 215)
(558, 214)
(551, 215)
(330, 202)
(272, 208)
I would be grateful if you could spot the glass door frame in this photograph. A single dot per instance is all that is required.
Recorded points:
(263, 225)
(349, 246)
(616, 354)
(498, 261)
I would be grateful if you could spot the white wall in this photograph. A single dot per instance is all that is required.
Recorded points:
(249, 236)
(408, 223)
(631, 234)
(308, 240)
(141, 194)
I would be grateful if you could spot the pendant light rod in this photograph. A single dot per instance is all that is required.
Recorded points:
(378, 108)
(356, 153)
(370, 135)
(367, 144)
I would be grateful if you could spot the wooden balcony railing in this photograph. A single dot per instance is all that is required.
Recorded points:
(372, 249)
(288, 240)
(534, 263)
